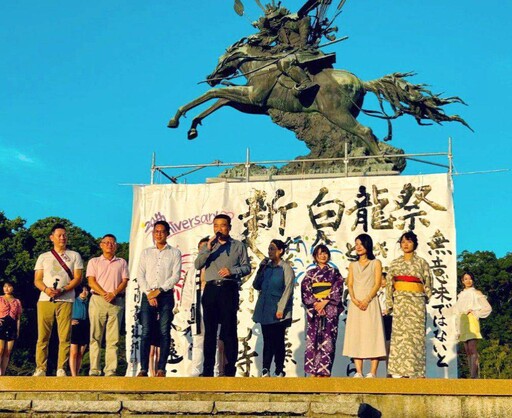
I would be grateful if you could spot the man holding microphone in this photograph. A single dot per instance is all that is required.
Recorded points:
(225, 261)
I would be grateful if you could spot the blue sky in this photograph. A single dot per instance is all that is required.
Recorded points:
(87, 88)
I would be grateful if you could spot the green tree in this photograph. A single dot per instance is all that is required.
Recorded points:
(495, 360)
(123, 250)
(15, 258)
(493, 276)
(16, 266)
(78, 239)
(19, 249)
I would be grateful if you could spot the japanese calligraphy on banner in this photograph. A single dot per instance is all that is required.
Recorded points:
(303, 213)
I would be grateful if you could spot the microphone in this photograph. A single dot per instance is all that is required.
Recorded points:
(216, 239)
(265, 262)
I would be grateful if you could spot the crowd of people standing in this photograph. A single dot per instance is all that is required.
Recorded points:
(386, 316)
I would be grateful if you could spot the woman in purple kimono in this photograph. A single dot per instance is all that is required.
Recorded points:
(321, 295)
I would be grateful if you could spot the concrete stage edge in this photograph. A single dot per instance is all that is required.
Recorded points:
(107, 397)
(460, 387)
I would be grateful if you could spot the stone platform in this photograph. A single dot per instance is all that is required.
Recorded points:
(303, 397)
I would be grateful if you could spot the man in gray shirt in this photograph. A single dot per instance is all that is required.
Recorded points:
(225, 261)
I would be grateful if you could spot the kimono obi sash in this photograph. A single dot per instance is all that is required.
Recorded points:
(321, 290)
(409, 284)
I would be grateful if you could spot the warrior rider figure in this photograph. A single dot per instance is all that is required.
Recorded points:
(288, 35)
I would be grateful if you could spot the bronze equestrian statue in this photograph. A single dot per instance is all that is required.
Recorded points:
(287, 72)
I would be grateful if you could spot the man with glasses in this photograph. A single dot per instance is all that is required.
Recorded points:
(159, 270)
(107, 276)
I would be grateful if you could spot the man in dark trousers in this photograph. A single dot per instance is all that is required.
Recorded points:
(225, 261)
(159, 271)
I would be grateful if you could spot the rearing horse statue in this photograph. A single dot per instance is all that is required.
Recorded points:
(338, 97)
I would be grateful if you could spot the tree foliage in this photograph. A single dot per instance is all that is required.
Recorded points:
(493, 276)
(495, 360)
(19, 249)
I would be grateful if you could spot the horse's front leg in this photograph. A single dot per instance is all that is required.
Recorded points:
(174, 122)
(237, 94)
(192, 133)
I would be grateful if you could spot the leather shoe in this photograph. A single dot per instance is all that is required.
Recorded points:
(160, 373)
(142, 373)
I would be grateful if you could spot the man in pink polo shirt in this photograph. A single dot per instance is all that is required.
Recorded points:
(107, 276)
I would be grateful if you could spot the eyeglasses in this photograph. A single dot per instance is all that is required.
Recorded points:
(109, 243)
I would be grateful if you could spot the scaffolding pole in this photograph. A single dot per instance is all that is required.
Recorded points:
(344, 161)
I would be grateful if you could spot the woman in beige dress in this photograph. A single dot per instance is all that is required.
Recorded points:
(364, 331)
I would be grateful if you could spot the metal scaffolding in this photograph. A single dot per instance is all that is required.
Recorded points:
(345, 160)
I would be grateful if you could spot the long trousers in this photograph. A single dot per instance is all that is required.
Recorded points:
(105, 319)
(273, 345)
(47, 313)
(156, 319)
(220, 306)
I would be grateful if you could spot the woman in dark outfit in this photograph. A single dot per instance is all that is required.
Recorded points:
(274, 280)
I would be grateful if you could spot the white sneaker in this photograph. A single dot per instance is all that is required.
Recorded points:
(61, 373)
(265, 373)
(94, 373)
(370, 376)
(358, 375)
(39, 373)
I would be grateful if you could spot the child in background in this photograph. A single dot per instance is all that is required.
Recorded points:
(80, 330)
(10, 316)
(387, 318)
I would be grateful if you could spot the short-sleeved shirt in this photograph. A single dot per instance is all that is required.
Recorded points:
(54, 276)
(108, 273)
(10, 308)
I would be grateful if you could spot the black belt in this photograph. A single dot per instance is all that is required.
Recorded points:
(223, 282)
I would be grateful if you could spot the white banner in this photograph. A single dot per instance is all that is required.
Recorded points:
(302, 213)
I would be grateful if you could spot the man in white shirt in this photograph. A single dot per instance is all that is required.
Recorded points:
(108, 277)
(159, 271)
(57, 273)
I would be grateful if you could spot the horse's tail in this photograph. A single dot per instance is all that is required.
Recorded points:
(412, 99)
